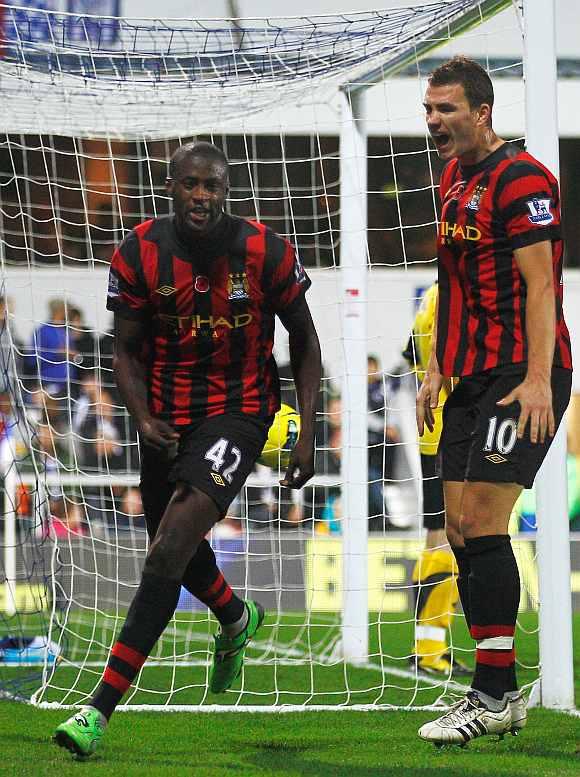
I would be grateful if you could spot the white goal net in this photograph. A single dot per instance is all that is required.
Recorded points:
(92, 109)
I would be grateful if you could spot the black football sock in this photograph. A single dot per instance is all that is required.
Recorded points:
(204, 580)
(148, 616)
(464, 569)
(494, 597)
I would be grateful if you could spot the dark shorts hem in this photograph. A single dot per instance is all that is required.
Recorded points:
(199, 486)
(473, 479)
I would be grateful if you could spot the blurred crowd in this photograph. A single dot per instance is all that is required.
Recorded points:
(61, 411)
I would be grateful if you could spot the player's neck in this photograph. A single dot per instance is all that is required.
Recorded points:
(490, 142)
(213, 235)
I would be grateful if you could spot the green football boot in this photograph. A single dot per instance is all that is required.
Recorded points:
(82, 733)
(228, 652)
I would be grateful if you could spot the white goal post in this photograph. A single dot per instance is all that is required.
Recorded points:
(556, 644)
(130, 102)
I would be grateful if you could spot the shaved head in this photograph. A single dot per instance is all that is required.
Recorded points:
(198, 148)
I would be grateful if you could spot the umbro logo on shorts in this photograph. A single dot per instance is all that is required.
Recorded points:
(217, 479)
(495, 458)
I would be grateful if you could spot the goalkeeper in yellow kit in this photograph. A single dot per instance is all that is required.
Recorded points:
(435, 572)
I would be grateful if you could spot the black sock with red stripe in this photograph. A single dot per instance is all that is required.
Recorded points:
(463, 568)
(494, 598)
(148, 616)
(205, 581)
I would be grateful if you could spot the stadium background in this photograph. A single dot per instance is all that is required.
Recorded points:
(405, 95)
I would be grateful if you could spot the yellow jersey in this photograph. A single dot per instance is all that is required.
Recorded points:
(417, 353)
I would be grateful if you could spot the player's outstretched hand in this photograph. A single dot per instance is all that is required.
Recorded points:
(159, 435)
(535, 399)
(427, 400)
(301, 466)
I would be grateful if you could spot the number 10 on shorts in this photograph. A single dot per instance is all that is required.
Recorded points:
(218, 453)
(503, 437)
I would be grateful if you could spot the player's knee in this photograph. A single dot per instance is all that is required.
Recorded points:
(469, 524)
(478, 514)
(166, 558)
(191, 501)
(453, 526)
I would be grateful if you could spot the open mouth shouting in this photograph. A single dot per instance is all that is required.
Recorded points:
(441, 141)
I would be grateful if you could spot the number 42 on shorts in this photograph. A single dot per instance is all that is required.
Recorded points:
(218, 453)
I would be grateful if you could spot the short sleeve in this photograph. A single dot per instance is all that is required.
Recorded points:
(127, 292)
(285, 277)
(529, 204)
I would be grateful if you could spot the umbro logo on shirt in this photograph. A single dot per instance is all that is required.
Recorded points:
(166, 291)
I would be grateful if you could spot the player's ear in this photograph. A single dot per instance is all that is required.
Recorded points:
(485, 114)
(169, 185)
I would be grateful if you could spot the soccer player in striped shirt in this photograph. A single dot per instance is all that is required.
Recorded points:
(501, 330)
(195, 296)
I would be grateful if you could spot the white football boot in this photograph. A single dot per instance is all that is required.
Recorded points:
(519, 713)
(465, 720)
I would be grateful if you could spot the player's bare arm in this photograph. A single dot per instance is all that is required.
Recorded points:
(307, 369)
(534, 394)
(428, 396)
(130, 374)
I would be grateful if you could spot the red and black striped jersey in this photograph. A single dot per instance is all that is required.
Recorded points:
(210, 310)
(507, 201)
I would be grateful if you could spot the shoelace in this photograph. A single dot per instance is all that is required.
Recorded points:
(230, 650)
(456, 715)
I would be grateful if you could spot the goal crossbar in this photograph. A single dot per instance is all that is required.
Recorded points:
(452, 26)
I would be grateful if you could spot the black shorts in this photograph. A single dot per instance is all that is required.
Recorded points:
(479, 439)
(215, 455)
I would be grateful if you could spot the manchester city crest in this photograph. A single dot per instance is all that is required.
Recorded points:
(238, 286)
(475, 200)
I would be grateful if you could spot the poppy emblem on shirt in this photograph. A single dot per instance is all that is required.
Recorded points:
(539, 211)
(201, 284)
(238, 286)
(165, 291)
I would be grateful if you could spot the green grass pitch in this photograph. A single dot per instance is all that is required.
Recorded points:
(353, 744)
